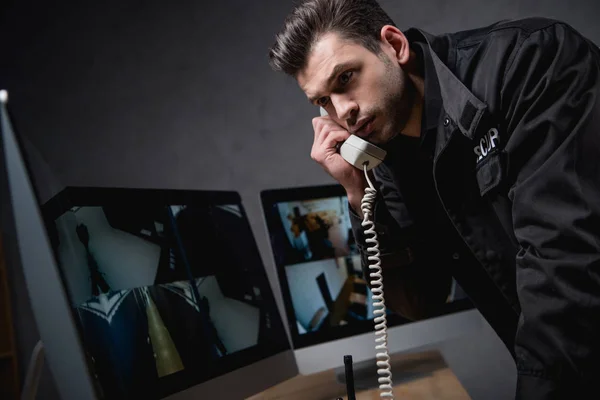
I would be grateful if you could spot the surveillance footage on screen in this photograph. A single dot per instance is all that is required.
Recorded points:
(165, 296)
(314, 244)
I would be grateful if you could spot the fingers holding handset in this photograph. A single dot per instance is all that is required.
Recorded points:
(328, 137)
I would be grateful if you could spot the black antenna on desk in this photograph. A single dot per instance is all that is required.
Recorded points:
(349, 378)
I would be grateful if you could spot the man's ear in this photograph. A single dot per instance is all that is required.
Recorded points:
(395, 41)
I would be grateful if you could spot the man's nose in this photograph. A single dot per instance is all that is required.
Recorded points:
(346, 110)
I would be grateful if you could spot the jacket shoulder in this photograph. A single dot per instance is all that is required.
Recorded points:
(518, 28)
(481, 57)
(526, 25)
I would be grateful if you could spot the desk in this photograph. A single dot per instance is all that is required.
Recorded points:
(419, 376)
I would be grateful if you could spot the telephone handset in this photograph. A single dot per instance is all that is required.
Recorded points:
(359, 152)
(366, 156)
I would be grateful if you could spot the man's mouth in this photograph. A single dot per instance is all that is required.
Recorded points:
(365, 129)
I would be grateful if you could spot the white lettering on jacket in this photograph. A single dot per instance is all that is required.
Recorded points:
(486, 144)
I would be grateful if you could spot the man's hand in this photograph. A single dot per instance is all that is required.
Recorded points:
(328, 135)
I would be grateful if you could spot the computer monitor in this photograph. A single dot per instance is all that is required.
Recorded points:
(327, 299)
(146, 293)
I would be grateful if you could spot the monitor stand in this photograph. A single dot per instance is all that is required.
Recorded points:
(405, 367)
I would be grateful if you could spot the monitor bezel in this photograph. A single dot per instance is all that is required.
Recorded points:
(268, 198)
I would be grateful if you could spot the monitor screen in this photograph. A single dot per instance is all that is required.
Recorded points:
(167, 288)
(326, 293)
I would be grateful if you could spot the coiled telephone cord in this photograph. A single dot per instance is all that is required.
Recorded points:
(383, 359)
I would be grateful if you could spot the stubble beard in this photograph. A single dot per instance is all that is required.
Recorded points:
(398, 96)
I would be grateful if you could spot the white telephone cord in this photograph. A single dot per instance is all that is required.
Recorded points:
(384, 369)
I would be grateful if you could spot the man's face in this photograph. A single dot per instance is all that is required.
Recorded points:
(362, 91)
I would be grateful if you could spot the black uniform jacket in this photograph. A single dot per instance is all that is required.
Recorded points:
(502, 192)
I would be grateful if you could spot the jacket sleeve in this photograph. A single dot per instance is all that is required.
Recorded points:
(552, 114)
(409, 286)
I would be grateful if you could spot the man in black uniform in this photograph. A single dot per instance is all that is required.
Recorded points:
(492, 173)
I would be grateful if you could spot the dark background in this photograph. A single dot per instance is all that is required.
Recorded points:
(179, 95)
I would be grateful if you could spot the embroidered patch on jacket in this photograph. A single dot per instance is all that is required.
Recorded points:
(487, 145)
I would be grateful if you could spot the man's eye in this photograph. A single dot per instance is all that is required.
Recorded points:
(323, 101)
(345, 77)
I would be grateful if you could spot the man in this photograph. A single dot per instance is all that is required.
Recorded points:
(491, 176)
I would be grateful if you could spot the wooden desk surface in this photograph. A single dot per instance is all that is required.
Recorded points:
(420, 376)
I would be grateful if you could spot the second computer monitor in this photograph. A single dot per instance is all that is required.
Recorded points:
(326, 295)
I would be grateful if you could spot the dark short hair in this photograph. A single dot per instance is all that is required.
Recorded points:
(357, 20)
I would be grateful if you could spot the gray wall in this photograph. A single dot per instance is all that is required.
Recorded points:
(180, 95)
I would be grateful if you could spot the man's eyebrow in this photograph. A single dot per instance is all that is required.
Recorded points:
(339, 68)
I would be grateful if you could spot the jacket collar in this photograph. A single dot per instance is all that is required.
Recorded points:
(460, 104)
